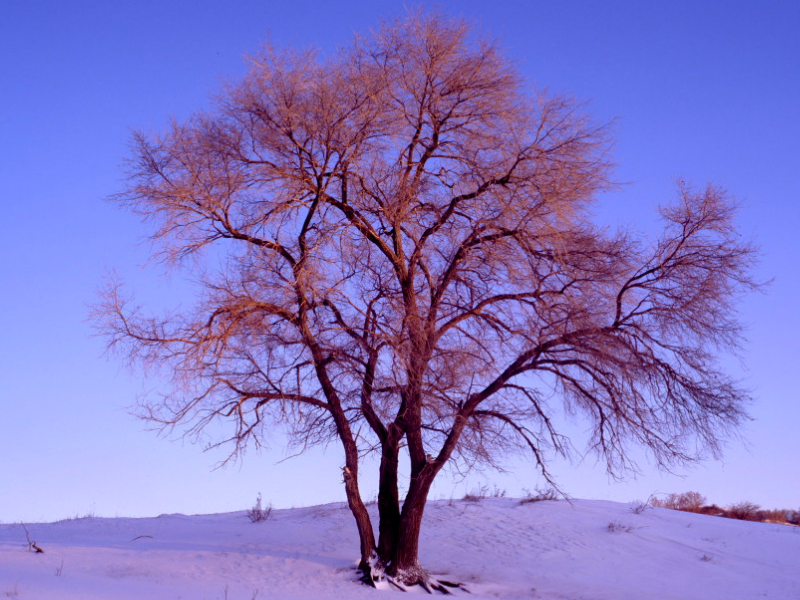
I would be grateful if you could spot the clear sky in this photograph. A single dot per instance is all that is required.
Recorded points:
(704, 90)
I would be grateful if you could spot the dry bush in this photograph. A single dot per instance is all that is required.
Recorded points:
(257, 514)
(744, 511)
(614, 527)
(473, 496)
(687, 502)
(773, 515)
(712, 510)
(484, 492)
(540, 495)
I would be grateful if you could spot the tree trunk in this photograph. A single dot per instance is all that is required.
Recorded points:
(388, 499)
(363, 523)
(365, 534)
(405, 565)
(350, 470)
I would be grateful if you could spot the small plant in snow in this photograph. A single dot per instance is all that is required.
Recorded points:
(31, 543)
(258, 514)
(540, 495)
(60, 569)
(639, 507)
(484, 492)
(11, 591)
(473, 496)
(706, 558)
(614, 527)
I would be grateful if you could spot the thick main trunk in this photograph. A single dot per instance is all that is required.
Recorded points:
(388, 497)
(401, 565)
(405, 559)
(404, 566)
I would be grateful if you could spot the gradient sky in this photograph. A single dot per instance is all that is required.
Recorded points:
(707, 91)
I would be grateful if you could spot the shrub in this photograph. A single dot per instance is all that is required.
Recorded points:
(614, 527)
(258, 514)
(744, 511)
(713, 510)
(773, 516)
(484, 492)
(540, 495)
(687, 502)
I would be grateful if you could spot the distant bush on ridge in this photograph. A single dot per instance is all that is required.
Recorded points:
(743, 511)
(687, 502)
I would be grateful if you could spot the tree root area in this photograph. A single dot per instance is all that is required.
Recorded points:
(380, 579)
(429, 584)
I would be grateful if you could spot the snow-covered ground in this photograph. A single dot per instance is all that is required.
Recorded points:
(588, 550)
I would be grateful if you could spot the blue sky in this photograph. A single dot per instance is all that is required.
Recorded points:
(706, 91)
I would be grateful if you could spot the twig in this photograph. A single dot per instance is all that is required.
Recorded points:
(31, 544)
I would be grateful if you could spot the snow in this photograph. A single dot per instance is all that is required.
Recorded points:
(553, 550)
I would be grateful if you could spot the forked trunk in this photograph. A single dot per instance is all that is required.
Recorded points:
(398, 547)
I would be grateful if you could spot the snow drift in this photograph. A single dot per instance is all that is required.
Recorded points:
(588, 550)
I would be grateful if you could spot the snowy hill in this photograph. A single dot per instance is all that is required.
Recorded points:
(589, 550)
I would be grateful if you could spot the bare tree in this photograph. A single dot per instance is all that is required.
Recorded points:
(404, 257)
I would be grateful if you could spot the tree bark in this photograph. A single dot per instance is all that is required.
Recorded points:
(363, 523)
(388, 498)
(366, 535)
(405, 562)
